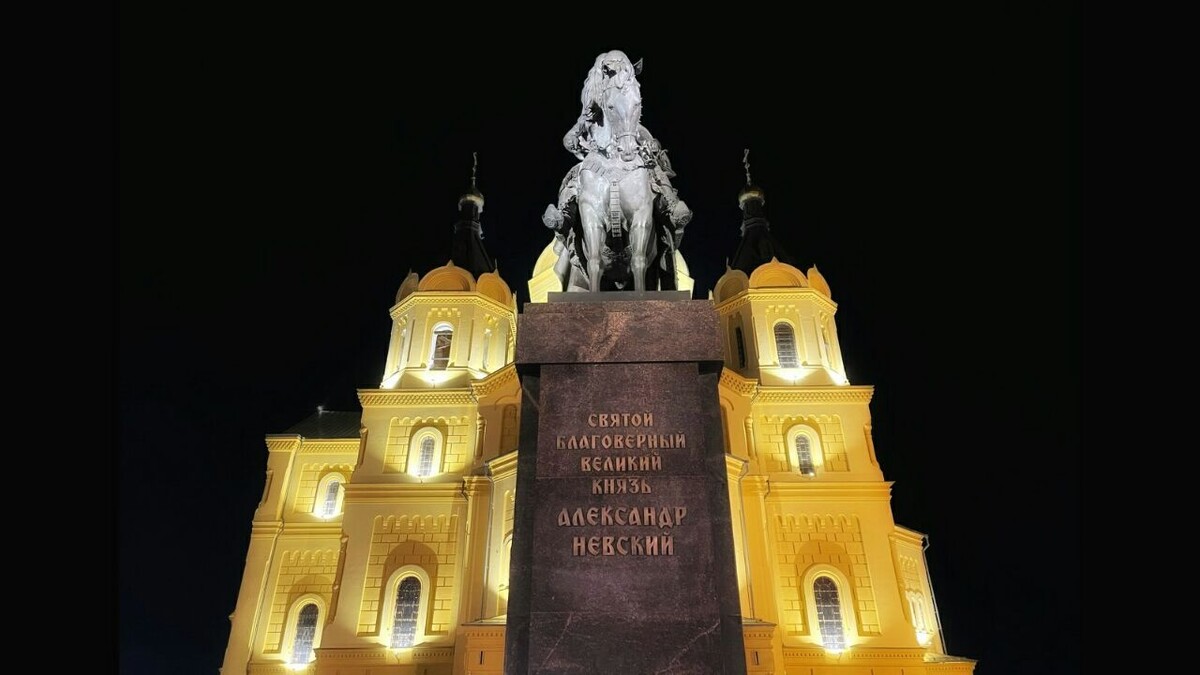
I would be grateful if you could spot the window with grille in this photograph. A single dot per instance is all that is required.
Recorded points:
(408, 603)
(741, 347)
(829, 613)
(306, 632)
(425, 462)
(442, 338)
(329, 506)
(785, 345)
(804, 458)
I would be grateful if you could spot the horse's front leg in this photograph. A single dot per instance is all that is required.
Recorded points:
(639, 204)
(641, 226)
(592, 220)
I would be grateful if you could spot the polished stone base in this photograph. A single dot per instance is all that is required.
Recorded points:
(622, 558)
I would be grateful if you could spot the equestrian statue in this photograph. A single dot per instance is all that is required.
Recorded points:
(618, 221)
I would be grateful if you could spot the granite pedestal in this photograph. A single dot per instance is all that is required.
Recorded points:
(622, 558)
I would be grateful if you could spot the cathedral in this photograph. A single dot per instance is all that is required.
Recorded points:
(394, 540)
(383, 537)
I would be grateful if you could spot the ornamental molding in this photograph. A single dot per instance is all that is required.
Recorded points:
(494, 381)
(817, 653)
(812, 489)
(474, 486)
(274, 669)
(405, 493)
(730, 305)
(348, 446)
(763, 630)
(380, 398)
(814, 652)
(833, 394)
(775, 295)
(904, 535)
(737, 384)
(889, 653)
(443, 298)
(331, 529)
(265, 528)
(282, 442)
(364, 655)
(485, 633)
(502, 466)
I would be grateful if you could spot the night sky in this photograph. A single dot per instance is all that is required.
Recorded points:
(281, 172)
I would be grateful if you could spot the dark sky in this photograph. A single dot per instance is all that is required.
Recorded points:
(281, 172)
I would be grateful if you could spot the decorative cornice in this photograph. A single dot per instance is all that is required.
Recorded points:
(729, 305)
(734, 466)
(502, 466)
(494, 381)
(888, 653)
(487, 631)
(265, 528)
(908, 536)
(754, 628)
(813, 652)
(818, 653)
(277, 668)
(282, 442)
(327, 528)
(365, 655)
(331, 446)
(405, 493)
(474, 486)
(382, 398)
(453, 297)
(781, 490)
(829, 394)
(737, 384)
(775, 294)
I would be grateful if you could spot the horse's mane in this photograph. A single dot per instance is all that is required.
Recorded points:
(595, 84)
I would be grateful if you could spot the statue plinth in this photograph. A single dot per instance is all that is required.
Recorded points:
(622, 557)
(608, 296)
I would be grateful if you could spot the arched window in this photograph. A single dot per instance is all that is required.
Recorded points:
(425, 462)
(505, 570)
(302, 629)
(804, 449)
(510, 429)
(487, 343)
(828, 344)
(408, 607)
(306, 633)
(425, 452)
(331, 498)
(741, 347)
(443, 335)
(916, 608)
(785, 345)
(804, 458)
(829, 613)
(330, 493)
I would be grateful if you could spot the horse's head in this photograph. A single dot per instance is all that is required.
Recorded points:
(615, 98)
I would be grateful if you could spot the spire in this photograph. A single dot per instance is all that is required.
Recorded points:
(466, 248)
(758, 246)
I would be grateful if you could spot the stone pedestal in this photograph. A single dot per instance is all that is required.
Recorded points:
(622, 556)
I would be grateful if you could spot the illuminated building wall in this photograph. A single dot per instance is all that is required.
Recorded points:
(382, 540)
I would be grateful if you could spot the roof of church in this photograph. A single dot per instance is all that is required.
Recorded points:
(757, 247)
(328, 424)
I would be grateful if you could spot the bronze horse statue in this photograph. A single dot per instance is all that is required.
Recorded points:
(618, 220)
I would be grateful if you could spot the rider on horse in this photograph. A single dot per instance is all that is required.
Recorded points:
(671, 214)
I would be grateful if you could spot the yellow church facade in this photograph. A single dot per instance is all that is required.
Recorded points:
(381, 543)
